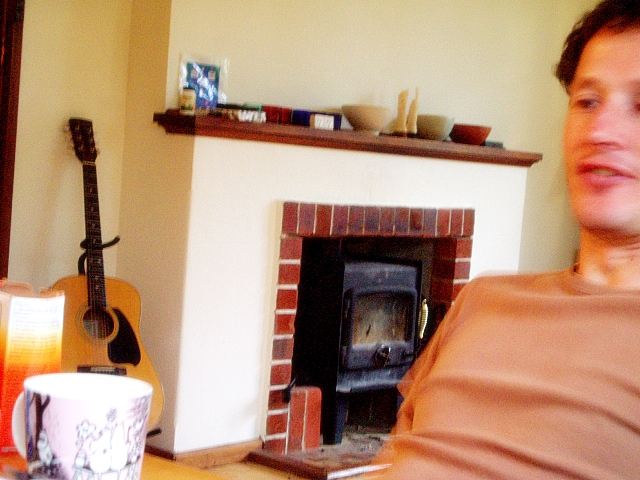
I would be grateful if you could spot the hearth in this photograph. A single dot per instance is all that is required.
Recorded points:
(357, 327)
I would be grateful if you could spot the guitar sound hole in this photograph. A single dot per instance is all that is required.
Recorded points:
(98, 323)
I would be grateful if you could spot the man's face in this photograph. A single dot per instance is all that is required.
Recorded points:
(602, 136)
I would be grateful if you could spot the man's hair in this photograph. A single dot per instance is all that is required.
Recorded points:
(616, 15)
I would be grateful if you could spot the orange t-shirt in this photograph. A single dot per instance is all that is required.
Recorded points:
(528, 377)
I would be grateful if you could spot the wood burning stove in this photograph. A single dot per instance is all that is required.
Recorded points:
(379, 302)
(356, 325)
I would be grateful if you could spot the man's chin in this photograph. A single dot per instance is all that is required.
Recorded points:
(613, 233)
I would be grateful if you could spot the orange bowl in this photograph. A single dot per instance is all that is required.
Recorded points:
(469, 134)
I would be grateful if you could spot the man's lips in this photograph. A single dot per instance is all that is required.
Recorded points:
(604, 166)
(601, 171)
(603, 174)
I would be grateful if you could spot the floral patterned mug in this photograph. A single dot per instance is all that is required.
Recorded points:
(72, 426)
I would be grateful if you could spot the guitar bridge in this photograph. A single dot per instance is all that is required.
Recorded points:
(104, 369)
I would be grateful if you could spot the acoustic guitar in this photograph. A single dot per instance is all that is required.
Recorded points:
(101, 315)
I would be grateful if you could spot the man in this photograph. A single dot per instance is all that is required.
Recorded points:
(538, 376)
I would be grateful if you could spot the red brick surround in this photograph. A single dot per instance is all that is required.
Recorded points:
(453, 229)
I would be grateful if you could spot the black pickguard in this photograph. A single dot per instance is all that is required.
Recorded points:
(124, 347)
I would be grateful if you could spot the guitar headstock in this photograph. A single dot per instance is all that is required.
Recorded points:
(83, 142)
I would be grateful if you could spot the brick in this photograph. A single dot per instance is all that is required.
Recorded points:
(277, 423)
(340, 220)
(291, 248)
(443, 223)
(444, 268)
(416, 218)
(276, 402)
(356, 220)
(286, 299)
(290, 218)
(297, 411)
(281, 374)
(468, 224)
(402, 222)
(276, 445)
(282, 349)
(371, 220)
(313, 415)
(462, 271)
(304, 418)
(307, 218)
(457, 218)
(430, 223)
(446, 248)
(387, 221)
(289, 274)
(441, 290)
(464, 247)
(323, 220)
(285, 324)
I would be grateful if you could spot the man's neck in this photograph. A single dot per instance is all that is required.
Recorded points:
(612, 263)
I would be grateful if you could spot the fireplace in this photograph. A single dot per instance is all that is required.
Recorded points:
(356, 328)
(361, 234)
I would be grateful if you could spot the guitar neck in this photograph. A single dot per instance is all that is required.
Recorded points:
(95, 262)
(84, 146)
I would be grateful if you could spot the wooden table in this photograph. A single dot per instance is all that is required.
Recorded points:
(156, 468)
(153, 468)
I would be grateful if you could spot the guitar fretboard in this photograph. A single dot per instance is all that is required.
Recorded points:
(95, 263)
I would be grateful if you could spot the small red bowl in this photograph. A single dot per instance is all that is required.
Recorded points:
(469, 134)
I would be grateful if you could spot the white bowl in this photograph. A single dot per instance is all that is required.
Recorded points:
(367, 118)
(434, 127)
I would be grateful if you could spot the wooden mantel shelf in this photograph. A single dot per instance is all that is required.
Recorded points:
(213, 126)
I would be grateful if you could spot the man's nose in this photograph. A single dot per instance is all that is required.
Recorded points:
(607, 122)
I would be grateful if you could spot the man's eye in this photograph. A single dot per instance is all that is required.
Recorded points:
(586, 103)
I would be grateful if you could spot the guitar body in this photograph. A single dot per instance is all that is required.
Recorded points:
(100, 332)
(119, 348)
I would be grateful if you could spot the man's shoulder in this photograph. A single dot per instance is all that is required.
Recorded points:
(517, 286)
(534, 280)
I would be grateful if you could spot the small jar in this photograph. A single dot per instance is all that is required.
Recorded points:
(188, 101)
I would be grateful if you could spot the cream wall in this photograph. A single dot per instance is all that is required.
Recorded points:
(487, 62)
(484, 61)
(74, 63)
(156, 182)
(546, 206)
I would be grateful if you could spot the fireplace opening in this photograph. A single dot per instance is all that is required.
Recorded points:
(361, 321)
(444, 236)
